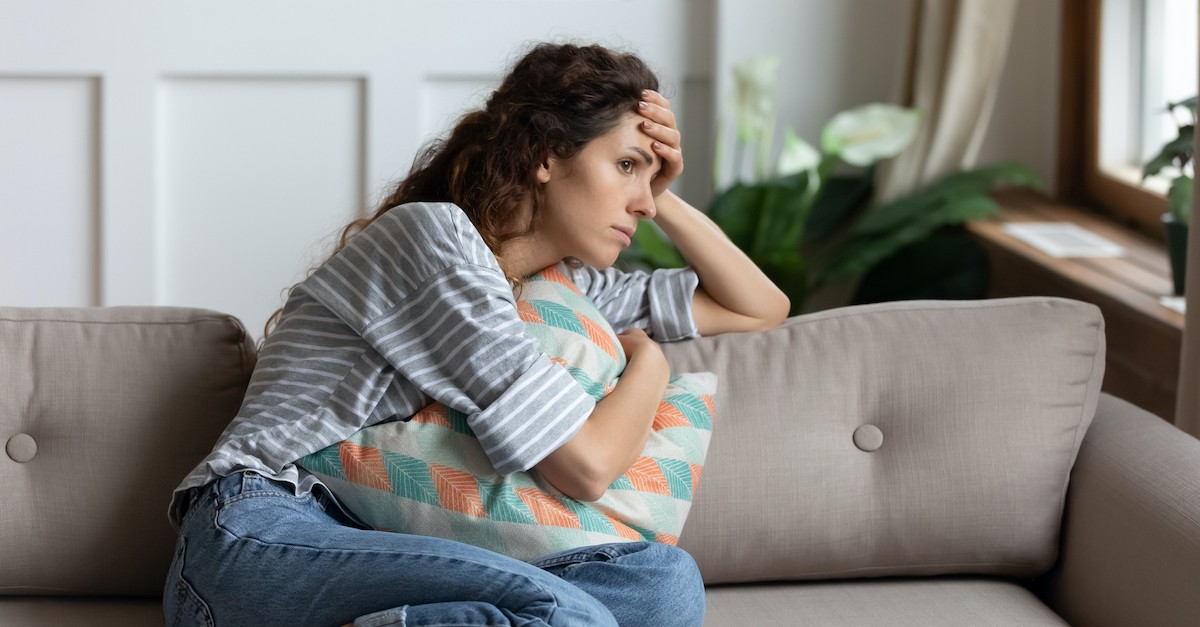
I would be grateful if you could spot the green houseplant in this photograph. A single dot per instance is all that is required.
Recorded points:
(1177, 154)
(809, 223)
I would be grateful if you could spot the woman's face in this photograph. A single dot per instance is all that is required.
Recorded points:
(592, 202)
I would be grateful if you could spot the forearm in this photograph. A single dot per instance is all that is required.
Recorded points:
(613, 436)
(726, 274)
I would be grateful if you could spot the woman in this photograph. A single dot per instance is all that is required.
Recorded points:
(417, 303)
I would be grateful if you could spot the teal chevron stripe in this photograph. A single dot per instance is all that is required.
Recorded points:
(326, 461)
(688, 441)
(591, 387)
(622, 483)
(458, 421)
(589, 518)
(694, 408)
(410, 477)
(503, 504)
(647, 535)
(679, 476)
(557, 315)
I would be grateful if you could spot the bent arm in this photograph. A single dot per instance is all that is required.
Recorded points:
(615, 433)
(734, 294)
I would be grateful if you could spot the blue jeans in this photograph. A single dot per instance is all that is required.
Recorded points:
(250, 552)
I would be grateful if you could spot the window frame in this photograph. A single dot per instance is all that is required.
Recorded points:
(1080, 179)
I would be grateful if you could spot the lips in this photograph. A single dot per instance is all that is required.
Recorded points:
(627, 232)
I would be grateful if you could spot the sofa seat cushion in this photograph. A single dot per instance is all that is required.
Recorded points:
(894, 440)
(930, 602)
(132, 612)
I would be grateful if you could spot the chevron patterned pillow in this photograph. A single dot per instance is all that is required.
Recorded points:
(429, 475)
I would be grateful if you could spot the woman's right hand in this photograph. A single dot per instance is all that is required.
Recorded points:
(638, 346)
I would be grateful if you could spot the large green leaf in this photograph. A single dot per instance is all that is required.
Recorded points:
(651, 247)
(864, 251)
(1179, 148)
(788, 270)
(947, 265)
(835, 204)
(897, 214)
(736, 210)
(784, 212)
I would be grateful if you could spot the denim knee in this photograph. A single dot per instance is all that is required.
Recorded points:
(686, 594)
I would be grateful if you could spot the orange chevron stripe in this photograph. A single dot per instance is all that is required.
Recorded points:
(547, 510)
(457, 490)
(624, 530)
(560, 361)
(554, 274)
(645, 475)
(364, 466)
(599, 336)
(696, 470)
(669, 416)
(527, 313)
(708, 402)
(434, 414)
(666, 538)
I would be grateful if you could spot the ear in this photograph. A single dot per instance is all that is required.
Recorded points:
(543, 171)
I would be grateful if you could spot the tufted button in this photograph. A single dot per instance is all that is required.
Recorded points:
(868, 438)
(21, 448)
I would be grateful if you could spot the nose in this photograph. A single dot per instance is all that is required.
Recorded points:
(643, 204)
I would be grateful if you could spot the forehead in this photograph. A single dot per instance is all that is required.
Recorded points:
(626, 133)
(625, 136)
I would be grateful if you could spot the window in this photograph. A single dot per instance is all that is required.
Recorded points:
(1123, 62)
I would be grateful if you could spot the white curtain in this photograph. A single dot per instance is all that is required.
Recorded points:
(957, 53)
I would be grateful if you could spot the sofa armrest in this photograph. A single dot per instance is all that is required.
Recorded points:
(1131, 536)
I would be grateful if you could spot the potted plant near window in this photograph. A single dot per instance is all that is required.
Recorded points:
(1177, 154)
(809, 222)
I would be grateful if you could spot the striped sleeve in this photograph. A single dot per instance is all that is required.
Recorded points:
(455, 334)
(659, 302)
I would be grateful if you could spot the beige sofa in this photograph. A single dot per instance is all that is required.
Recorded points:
(922, 463)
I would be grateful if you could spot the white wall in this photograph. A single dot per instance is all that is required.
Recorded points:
(202, 154)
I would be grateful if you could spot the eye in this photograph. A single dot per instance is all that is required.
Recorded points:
(626, 165)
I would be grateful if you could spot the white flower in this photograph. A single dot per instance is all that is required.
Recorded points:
(797, 155)
(754, 95)
(866, 134)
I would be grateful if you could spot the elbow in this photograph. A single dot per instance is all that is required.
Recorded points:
(583, 487)
(575, 473)
(590, 493)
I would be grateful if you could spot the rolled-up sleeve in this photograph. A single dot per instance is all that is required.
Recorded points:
(659, 302)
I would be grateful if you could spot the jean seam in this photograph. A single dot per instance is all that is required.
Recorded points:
(578, 557)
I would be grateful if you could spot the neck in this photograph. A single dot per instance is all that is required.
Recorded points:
(526, 255)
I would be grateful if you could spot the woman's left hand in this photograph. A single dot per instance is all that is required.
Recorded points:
(660, 126)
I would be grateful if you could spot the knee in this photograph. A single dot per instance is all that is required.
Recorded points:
(681, 588)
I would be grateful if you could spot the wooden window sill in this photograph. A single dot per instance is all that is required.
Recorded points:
(1143, 335)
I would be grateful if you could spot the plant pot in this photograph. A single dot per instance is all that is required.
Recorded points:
(1177, 237)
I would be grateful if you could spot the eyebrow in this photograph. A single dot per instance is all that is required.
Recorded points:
(645, 155)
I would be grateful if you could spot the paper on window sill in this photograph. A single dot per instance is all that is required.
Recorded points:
(1063, 239)
(1178, 303)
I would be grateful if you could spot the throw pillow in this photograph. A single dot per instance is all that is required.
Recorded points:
(429, 475)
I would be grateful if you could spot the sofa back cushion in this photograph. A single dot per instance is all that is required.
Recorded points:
(102, 413)
(913, 438)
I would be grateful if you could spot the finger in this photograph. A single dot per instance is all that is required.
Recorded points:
(653, 97)
(665, 134)
(672, 160)
(657, 113)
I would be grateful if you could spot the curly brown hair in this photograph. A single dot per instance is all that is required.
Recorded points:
(556, 99)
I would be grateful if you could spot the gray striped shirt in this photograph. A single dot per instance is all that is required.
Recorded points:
(415, 309)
